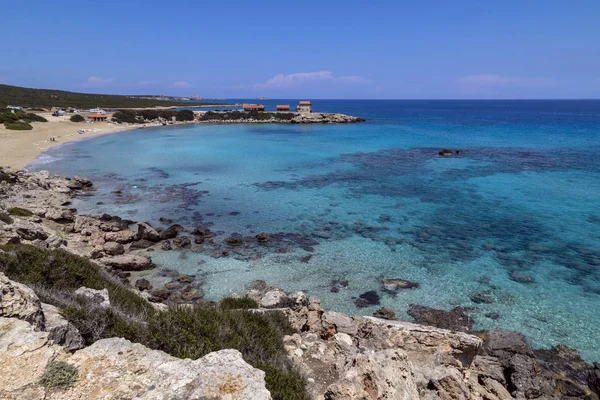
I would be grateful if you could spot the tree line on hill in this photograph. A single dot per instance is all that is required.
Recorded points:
(27, 97)
(141, 116)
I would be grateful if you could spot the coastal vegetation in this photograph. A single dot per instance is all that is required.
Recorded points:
(59, 374)
(76, 118)
(241, 115)
(142, 116)
(182, 331)
(28, 97)
(19, 120)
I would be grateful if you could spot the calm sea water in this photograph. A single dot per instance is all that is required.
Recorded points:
(514, 219)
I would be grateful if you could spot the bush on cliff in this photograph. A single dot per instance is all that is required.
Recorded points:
(181, 331)
(77, 118)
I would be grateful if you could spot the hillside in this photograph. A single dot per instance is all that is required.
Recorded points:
(26, 97)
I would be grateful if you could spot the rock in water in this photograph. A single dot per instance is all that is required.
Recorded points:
(455, 319)
(393, 285)
(147, 232)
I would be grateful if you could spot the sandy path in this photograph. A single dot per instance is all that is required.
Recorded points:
(18, 148)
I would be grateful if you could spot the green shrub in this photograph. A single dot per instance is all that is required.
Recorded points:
(243, 303)
(18, 126)
(185, 115)
(77, 118)
(128, 116)
(31, 117)
(20, 212)
(59, 374)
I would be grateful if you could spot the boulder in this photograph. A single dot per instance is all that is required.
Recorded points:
(143, 284)
(272, 298)
(123, 237)
(99, 297)
(385, 374)
(113, 248)
(171, 232)
(147, 232)
(19, 301)
(337, 322)
(62, 215)
(129, 262)
(140, 244)
(117, 368)
(60, 331)
(54, 242)
(29, 231)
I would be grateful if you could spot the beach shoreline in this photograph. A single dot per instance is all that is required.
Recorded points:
(20, 148)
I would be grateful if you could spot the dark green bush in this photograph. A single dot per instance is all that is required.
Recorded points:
(31, 117)
(59, 374)
(185, 115)
(77, 118)
(19, 212)
(243, 303)
(18, 126)
(128, 116)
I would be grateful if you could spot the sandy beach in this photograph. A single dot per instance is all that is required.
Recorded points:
(18, 148)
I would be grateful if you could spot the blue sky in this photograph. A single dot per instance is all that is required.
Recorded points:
(312, 49)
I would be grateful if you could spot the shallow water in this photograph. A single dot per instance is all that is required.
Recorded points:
(374, 200)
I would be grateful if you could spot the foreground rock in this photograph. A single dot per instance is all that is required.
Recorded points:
(19, 301)
(345, 357)
(118, 369)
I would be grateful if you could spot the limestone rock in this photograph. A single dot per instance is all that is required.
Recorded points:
(129, 262)
(62, 215)
(123, 237)
(29, 231)
(455, 319)
(113, 248)
(60, 331)
(24, 354)
(100, 297)
(386, 374)
(339, 323)
(272, 298)
(54, 242)
(19, 301)
(120, 369)
(143, 284)
(147, 232)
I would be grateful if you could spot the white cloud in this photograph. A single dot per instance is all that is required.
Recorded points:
(94, 81)
(182, 85)
(492, 80)
(290, 80)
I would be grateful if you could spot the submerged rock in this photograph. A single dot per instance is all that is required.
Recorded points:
(262, 237)
(455, 319)
(233, 241)
(171, 232)
(385, 313)
(521, 278)
(394, 285)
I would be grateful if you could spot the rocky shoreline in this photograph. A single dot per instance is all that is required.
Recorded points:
(276, 118)
(341, 357)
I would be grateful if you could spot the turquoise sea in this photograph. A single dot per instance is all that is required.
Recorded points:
(512, 222)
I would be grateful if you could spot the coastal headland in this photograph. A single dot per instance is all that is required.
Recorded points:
(318, 354)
